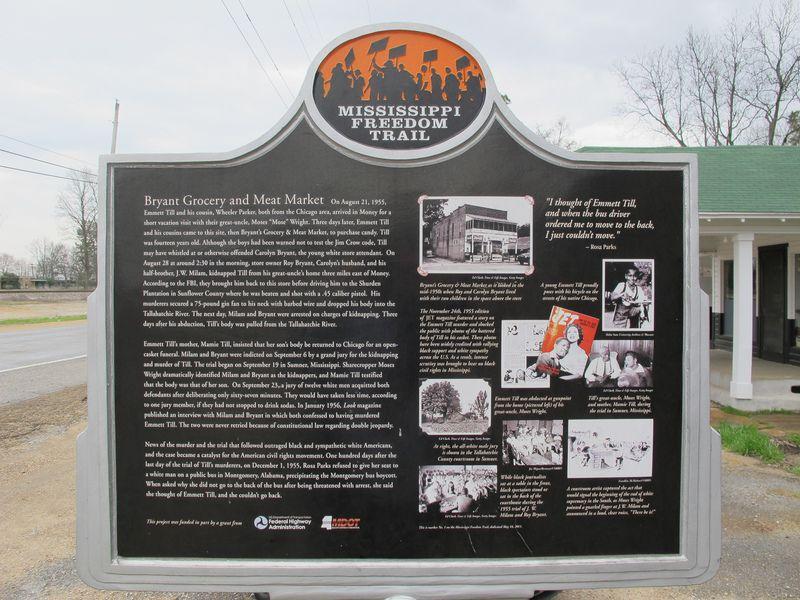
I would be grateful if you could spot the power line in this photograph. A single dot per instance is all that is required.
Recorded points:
(314, 16)
(297, 31)
(8, 137)
(47, 162)
(47, 174)
(258, 60)
(302, 12)
(274, 64)
(369, 11)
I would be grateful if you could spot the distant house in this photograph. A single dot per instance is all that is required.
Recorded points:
(749, 240)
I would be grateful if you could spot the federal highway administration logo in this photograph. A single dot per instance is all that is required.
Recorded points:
(281, 523)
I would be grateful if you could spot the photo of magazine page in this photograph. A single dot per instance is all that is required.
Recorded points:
(520, 346)
(609, 448)
(567, 343)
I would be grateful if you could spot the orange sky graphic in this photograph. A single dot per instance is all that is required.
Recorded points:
(416, 44)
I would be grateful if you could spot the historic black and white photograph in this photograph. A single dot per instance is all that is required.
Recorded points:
(520, 346)
(628, 294)
(455, 406)
(458, 489)
(475, 234)
(609, 448)
(618, 363)
(533, 443)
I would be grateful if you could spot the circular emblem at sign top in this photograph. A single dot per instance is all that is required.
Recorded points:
(261, 522)
(399, 89)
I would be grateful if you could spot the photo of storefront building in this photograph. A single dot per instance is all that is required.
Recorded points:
(749, 226)
(476, 233)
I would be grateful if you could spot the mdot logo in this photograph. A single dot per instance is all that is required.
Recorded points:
(329, 522)
(399, 89)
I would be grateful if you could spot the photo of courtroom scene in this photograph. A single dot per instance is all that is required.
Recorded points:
(400, 67)
(476, 234)
(533, 443)
(628, 294)
(609, 448)
(458, 489)
(520, 346)
(620, 364)
(455, 406)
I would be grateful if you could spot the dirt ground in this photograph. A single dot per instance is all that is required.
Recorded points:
(778, 426)
(31, 310)
(761, 518)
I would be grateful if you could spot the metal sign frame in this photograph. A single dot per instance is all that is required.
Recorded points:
(700, 530)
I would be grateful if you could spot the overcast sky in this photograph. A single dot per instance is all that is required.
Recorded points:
(187, 82)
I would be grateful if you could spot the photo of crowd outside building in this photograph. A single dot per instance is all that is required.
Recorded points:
(476, 235)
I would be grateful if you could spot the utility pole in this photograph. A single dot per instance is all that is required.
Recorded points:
(116, 126)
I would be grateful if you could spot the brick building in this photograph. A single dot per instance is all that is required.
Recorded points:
(474, 233)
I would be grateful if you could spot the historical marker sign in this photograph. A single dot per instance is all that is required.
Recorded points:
(397, 328)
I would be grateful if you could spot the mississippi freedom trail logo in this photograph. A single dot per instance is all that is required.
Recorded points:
(399, 89)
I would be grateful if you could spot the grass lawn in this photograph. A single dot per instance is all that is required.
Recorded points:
(749, 441)
(770, 435)
(36, 320)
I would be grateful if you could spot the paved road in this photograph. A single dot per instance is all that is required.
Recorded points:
(40, 360)
(41, 344)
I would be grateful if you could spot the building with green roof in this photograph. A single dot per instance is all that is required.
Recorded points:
(749, 199)
(740, 179)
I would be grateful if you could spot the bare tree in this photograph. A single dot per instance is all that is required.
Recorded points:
(735, 86)
(8, 263)
(775, 65)
(78, 206)
(51, 259)
(559, 134)
(656, 82)
(717, 113)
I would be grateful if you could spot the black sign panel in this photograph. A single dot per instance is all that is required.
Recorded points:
(317, 357)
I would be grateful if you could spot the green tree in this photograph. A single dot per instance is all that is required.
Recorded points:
(792, 137)
(9, 281)
(432, 211)
(440, 398)
(481, 404)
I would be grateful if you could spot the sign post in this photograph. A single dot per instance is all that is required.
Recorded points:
(399, 345)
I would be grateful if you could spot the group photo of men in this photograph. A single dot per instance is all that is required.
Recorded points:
(458, 489)
(533, 443)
